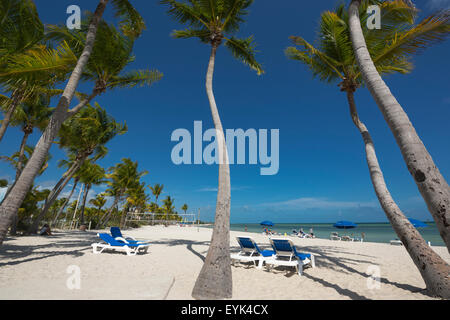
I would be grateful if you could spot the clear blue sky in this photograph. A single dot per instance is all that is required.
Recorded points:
(323, 175)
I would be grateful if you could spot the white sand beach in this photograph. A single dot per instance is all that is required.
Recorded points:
(36, 267)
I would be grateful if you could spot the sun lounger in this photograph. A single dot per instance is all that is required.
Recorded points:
(131, 249)
(396, 242)
(286, 255)
(347, 238)
(117, 234)
(335, 236)
(250, 252)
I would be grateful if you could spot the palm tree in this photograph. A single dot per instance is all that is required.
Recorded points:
(99, 201)
(124, 177)
(410, 38)
(156, 191)
(168, 207)
(132, 24)
(84, 135)
(137, 198)
(27, 66)
(61, 209)
(30, 115)
(333, 59)
(14, 161)
(214, 22)
(184, 208)
(90, 174)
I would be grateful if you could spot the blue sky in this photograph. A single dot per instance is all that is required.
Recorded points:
(323, 175)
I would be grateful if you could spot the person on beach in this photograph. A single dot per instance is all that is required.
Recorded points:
(245, 228)
(311, 233)
(45, 231)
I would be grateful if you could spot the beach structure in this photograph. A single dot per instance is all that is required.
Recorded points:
(110, 243)
(250, 252)
(286, 255)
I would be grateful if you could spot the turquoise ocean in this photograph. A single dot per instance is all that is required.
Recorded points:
(374, 232)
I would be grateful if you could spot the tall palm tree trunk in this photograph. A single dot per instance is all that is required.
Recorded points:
(433, 269)
(83, 206)
(16, 98)
(11, 204)
(65, 202)
(431, 184)
(104, 220)
(215, 279)
(51, 198)
(26, 134)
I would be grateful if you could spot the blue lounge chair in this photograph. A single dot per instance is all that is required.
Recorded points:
(250, 252)
(286, 255)
(113, 244)
(117, 234)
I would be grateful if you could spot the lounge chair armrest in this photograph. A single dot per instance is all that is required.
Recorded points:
(131, 238)
(121, 239)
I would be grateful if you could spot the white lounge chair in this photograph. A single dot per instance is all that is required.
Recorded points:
(396, 242)
(335, 236)
(250, 252)
(286, 255)
(130, 249)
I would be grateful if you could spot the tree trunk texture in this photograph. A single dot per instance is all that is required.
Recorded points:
(17, 97)
(433, 269)
(65, 202)
(431, 184)
(86, 192)
(59, 187)
(215, 278)
(11, 204)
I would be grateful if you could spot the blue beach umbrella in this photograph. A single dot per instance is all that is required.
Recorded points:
(344, 225)
(267, 223)
(417, 223)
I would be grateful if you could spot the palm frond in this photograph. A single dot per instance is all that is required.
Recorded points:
(244, 50)
(135, 78)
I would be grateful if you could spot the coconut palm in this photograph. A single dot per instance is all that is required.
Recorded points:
(332, 59)
(156, 191)
(84, 135)
(411, 38)
(99, 202)
(132, 24)
(214, 23)
(30, 115)
(15, 160)
(184, 208)
(63, 206)
(168, 206)
(124, 177)
(27, 66)
(137, 198)
(91, 174)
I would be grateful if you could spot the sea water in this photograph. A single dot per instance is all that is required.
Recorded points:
(373, 232)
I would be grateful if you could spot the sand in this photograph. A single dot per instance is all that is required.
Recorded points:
(35, 267)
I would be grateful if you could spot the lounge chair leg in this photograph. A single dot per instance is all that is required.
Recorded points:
(260, 264)
(300, 268)
(313, 261)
